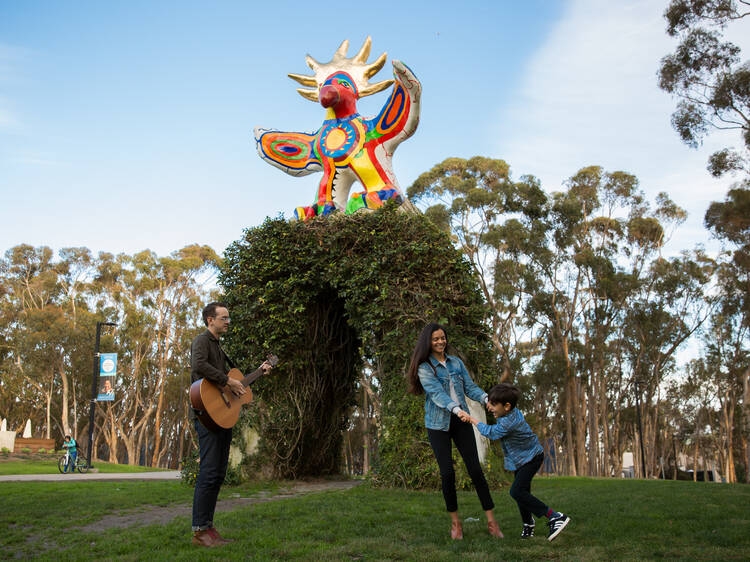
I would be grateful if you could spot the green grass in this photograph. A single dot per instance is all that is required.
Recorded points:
(611, 520)
(50, 467)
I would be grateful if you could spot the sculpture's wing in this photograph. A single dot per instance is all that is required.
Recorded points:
(290, 152)
(399, 117)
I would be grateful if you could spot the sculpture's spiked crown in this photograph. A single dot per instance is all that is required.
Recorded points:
(356, 66)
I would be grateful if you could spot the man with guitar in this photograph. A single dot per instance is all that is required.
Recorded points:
(209, 363)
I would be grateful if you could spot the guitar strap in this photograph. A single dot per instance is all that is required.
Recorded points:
(232, 364)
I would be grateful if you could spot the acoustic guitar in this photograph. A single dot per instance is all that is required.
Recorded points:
(217, 407)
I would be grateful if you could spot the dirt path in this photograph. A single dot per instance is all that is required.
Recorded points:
(150, 515)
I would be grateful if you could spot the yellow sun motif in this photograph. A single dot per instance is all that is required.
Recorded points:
(335, 139)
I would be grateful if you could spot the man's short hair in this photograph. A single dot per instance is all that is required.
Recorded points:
(210, 310)
(504, 393)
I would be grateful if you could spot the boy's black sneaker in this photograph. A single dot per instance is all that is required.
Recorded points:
(528, 531)
(556, 525)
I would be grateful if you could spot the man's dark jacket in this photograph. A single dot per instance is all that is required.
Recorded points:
(208, 361)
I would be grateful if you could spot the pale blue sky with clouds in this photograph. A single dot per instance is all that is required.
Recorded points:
(128, 125)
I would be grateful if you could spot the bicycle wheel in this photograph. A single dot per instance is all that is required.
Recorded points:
(81, 463)
(61, 464)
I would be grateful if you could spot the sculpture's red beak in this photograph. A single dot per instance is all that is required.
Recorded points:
(329, 96)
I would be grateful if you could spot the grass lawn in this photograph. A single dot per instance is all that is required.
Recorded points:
(49, 466)
(611, 520)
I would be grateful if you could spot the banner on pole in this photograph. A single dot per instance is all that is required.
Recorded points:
(107, 373)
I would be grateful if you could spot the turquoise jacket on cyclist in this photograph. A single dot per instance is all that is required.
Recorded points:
(71, 445)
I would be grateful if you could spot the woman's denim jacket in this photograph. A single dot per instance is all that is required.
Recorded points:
(520, 443)
(438, 403)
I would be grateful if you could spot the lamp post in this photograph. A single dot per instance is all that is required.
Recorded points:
(94, 385)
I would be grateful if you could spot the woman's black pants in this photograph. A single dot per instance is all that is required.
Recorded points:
(462, 434)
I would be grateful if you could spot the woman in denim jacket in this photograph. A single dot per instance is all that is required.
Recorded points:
(446, 383)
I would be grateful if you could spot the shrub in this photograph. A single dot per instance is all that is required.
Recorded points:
(5, 451)
(332, 293)
(25, 450)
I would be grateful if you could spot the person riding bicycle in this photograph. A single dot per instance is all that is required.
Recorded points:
(70, 444)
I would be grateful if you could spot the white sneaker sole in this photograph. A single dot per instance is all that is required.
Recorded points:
(559, 529)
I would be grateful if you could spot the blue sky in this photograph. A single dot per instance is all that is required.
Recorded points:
(128, 125)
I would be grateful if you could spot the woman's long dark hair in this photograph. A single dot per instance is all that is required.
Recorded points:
(420, 354)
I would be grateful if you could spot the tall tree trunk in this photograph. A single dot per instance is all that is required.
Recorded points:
(727, 413)
(74, 429)
(746, 417)
(594, 441)
(569, 398)
(366, 432)
(157, 417)
(49, 408)
(65, 391)
(581, 424)
(603, 402)
(112, 440)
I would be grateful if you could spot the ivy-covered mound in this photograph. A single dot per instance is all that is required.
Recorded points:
(328, 294)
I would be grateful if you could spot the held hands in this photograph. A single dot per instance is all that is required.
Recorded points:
(463, 416)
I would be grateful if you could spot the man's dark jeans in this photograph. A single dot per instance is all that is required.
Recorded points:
(214, 457)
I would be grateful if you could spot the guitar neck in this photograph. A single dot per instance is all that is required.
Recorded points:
(252, 377)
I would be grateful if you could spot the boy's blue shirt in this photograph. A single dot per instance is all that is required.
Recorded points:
(438, 403)
(520, 444)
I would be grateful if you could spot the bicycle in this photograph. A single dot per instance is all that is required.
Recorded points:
(80, 463)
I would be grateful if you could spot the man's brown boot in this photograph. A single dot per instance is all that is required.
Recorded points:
(216, 535)
(204, 538)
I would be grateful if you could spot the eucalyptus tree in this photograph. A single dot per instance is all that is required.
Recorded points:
(157, 301)
(495, 222)
(600, 238)
(76, 270)
(708, 77)
(723, 363)
(670, 307)
(729, 221)
(593, 216)
(44, 318)
(691, 395)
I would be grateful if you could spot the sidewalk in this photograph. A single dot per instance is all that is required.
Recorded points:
(75, 476)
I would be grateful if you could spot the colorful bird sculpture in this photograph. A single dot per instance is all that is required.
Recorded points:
(347, 147)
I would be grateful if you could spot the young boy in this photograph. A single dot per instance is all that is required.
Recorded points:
(523, 454)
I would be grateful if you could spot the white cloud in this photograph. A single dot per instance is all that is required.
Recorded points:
(591, 97)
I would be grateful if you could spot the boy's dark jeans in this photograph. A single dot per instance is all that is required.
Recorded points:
(462, 434)
(214, 453)
(521, 490)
